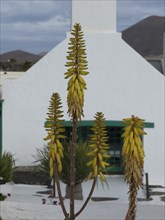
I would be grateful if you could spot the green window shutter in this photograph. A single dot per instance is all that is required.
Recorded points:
(115, 129)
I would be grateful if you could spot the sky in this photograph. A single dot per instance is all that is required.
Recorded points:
(39, 25)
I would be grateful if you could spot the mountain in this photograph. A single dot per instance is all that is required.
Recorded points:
(146, 36)
(43, 53)
(19, 56)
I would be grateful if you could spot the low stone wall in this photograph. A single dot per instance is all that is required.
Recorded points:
(29, 175)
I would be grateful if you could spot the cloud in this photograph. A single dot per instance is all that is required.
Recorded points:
(130, 12)
(38, 25)
(33, 10)
(33, 23)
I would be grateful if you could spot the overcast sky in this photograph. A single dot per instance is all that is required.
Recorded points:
(38, 25)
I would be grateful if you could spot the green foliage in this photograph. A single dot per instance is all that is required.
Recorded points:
(41, 157)
(14, 65)
(55, 129)
(7, 165)
(99, 148)
(77, 67)
(26, 65)
(81, 170)
(2, 197)
(81, 159)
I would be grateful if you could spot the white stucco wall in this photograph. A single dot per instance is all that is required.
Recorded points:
(120, 83)
(88, 14)
(9, 75)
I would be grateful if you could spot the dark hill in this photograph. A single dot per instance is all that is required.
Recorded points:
(19, 56)
(146, 36)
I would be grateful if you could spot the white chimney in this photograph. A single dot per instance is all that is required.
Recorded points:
(95, 15)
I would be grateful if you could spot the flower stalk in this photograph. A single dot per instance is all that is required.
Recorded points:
(133, 160)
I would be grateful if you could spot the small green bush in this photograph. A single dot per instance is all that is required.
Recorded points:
(7, 165)
(2, 197)
(42, 159)
(82, 170)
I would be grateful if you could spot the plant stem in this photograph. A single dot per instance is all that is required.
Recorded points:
(72, 166)
(54, 186)
(131, 214)
(88, 198)
(60, 194)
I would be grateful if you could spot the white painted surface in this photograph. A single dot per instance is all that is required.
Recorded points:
(9, 75)
(26, 203)
(88, 13)
(120, 83)
(5, 75)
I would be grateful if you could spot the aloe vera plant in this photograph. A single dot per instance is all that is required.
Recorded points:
(76, 71)
(133, 159)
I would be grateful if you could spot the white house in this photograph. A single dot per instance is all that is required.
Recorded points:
(120, 84)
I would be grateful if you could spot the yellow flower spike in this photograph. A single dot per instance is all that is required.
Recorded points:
(98, 146)
(133, 158)
(102, 177)
(77, 66)
(55, 131)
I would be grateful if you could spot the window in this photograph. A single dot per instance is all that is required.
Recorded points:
(115, 149)
(115, 142)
